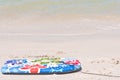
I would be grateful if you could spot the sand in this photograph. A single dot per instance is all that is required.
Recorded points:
(96, 43)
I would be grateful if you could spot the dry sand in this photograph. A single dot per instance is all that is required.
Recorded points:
(96, 46)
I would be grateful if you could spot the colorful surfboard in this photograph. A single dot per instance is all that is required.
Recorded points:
(42, 65)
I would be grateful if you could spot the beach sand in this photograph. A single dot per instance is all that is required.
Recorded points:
(96, 43)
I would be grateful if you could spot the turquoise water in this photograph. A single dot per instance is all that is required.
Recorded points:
(61, 6)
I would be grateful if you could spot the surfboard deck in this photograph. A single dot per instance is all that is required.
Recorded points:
(42, 65)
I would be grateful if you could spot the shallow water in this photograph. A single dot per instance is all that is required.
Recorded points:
(60, 6)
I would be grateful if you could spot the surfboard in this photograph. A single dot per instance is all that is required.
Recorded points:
(42, 65)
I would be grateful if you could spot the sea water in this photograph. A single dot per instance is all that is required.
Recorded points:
(61, 6)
